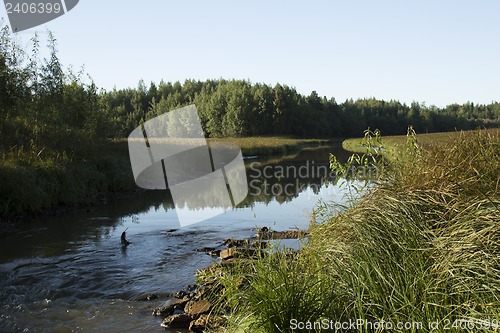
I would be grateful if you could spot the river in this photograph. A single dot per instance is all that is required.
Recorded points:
(70, 274)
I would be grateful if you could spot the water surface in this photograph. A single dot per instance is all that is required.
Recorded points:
(70, 274)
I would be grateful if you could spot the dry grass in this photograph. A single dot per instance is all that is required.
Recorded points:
(393, 143)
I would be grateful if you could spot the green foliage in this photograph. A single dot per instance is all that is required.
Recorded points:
(423, 245)
(266, 293)
(47, 112)
(239, 108)
(42, 106)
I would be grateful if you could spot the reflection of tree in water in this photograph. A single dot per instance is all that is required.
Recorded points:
(283, 180)
(102, 221)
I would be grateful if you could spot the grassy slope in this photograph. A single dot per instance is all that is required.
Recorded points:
(32, 184)
(424, 245)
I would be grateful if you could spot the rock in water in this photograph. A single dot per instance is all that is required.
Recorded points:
(228, 253)
(124, 240)
(170, 306)
(177, 321)
(149, 297)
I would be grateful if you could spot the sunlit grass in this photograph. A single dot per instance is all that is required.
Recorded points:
(394, 142)
(421, 246)
(268, 145)
(31, 182)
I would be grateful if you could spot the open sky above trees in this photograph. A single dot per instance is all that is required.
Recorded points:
(436, 52)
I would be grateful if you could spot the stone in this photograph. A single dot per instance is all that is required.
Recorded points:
(228, 253)
(177, 321)
(287, 234)
(237, 253)
(170, 306)
(231, 242)
(196, 308)
(179, 294)
(206, 321)
(149, 297)
(191, 287)
(205, 249)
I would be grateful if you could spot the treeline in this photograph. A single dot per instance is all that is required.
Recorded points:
(51, 131)
(240, 108)
(44, 106)
(56, 126)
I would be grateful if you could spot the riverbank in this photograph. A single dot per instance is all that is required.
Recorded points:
(420, 251)
(55, 182)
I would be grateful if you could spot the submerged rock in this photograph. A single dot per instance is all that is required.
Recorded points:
(170, 306)
(212, 251)
(149, 297)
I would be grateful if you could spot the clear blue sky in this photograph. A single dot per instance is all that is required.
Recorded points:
(432, 51)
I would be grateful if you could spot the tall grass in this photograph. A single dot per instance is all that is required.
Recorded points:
(31, 183)
(422, 246)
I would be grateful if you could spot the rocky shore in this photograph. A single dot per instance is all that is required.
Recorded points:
(198, 308)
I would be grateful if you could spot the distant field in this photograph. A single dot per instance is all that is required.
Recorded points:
(392, 142)
(261, 145)
(268, 145)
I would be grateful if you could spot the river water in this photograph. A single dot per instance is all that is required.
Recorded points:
(70, 274)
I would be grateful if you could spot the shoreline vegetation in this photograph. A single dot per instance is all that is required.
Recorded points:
(420, 249)
(30, 186)
(255, 146)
